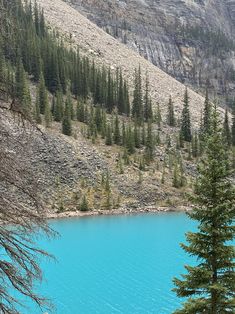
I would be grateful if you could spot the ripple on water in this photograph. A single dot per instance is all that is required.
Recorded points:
(120, 264)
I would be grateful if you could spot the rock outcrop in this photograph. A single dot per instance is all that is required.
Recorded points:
(191, 40)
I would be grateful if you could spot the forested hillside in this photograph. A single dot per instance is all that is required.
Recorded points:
(118, 149)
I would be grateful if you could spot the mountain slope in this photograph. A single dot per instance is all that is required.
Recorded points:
(190, 40)
(108, 51)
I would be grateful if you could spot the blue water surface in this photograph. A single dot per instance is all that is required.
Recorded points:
(115, 264)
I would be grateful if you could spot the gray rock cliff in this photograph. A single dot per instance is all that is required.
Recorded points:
(192, 40)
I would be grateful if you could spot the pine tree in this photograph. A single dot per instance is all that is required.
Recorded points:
(185, 129)
(209, 285)
(171, 114)
(226, 130)
(66, 122)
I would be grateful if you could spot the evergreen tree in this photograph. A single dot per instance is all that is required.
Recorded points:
(22, 88)
(206, 122)
(130, 141)
(98, 119)
(226, 130)
(42, 94)
(209, 285)
(137, 104)
(148, 113)
(150, 145)
(110, 93)
(84, 204)
(158, 116)
(80, 111)
(176, 179)
(69, 102)
(109, 140)
(195, 145)
(66, 122)
(121, 96)
(127, 99)
(185, 129)
(137, 136)
(47, 114)
(171, 114)
(58, 112)
(37, 109)
(117, 135)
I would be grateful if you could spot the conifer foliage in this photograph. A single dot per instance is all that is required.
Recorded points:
(210, 285)
(185, 129)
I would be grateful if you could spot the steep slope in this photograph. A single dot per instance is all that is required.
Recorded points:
(106, 50)
(64, 169)
(190, 40)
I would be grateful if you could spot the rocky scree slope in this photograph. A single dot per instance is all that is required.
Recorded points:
(191, 40)
(64, 169)
(106, 50)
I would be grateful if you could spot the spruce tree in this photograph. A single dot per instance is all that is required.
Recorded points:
(47, 114)
(22, 88)
(130, 140)
(158, 116)
(58, 112)
(117, 135)
(84, 204)
(109, 140)
(137, 104)
(185, 128)
(206, 122)
(148, 113)
(37, 109)
(137, 136)
(42, 94)
(150, 145)
(210, 285)
(226, 130)
(171, 114)
(127, 99)
(176, 178)
(66, 122)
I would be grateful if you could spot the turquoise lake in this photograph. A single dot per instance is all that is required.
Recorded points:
(115, 264)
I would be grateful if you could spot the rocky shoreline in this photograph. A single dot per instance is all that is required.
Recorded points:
(120, 211)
